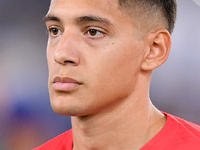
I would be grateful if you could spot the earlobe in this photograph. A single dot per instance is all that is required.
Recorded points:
(157, 49)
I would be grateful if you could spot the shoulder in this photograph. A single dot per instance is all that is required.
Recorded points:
(177, 134)
(63, 141)
(187, 133)
(184, 126)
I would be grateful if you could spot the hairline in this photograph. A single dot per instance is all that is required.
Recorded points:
(135, 14)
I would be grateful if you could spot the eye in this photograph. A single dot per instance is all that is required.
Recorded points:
(54, 31)
(95, 33)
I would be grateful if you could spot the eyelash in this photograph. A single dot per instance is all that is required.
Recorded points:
(52, 29)
(97, 33)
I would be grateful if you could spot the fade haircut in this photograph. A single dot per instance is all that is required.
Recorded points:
(159, 11)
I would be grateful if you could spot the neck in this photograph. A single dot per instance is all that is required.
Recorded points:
(136, 122)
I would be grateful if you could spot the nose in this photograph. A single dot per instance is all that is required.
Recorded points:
(67, 50)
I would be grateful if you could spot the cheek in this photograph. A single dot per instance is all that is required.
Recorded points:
(52, 68)
(50, 56)
(122, 61)
(51, 47)
(117, 69)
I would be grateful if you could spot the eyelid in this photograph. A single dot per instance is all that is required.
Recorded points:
(50, 28)
(98, 29)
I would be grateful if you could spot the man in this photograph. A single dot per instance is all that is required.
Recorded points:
(101, 54)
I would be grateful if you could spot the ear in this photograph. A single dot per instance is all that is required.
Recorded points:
(157, 49)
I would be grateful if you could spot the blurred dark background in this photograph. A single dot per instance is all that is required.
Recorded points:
(26, 117)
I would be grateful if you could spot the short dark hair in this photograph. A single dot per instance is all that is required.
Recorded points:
(167, 9)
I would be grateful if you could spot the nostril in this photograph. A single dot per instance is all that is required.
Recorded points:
(66, 56)
(68, 61)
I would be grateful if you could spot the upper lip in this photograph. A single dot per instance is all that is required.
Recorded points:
(65, 80)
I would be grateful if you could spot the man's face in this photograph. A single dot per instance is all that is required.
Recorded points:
(94, 56)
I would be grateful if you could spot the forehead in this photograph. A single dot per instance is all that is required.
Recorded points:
(67, 9)
(105, 4)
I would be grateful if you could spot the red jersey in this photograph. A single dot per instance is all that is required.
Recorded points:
(177, 134)
(62, 142)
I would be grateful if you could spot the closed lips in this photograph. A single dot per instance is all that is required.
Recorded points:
(65, 84)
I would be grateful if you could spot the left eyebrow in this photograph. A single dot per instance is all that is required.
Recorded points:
(93, 19)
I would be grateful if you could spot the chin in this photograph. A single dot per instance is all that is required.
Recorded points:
(67, 108)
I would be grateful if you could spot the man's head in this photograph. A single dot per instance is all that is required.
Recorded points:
(98, 59)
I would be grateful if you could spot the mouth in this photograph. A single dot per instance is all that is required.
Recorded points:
(65, 84)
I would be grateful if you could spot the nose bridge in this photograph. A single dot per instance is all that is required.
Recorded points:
(67, 50)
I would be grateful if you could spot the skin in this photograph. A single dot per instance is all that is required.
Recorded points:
(99, 73)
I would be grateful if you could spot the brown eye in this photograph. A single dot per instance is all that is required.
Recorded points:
(92, 32)
(54, 31)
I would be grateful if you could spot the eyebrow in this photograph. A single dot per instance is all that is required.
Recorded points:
(51, 18)
(93, 19)
(89, 18)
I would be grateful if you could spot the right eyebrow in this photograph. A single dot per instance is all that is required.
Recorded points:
(51, 18)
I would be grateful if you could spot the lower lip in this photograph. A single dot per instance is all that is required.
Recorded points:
(60, 86)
